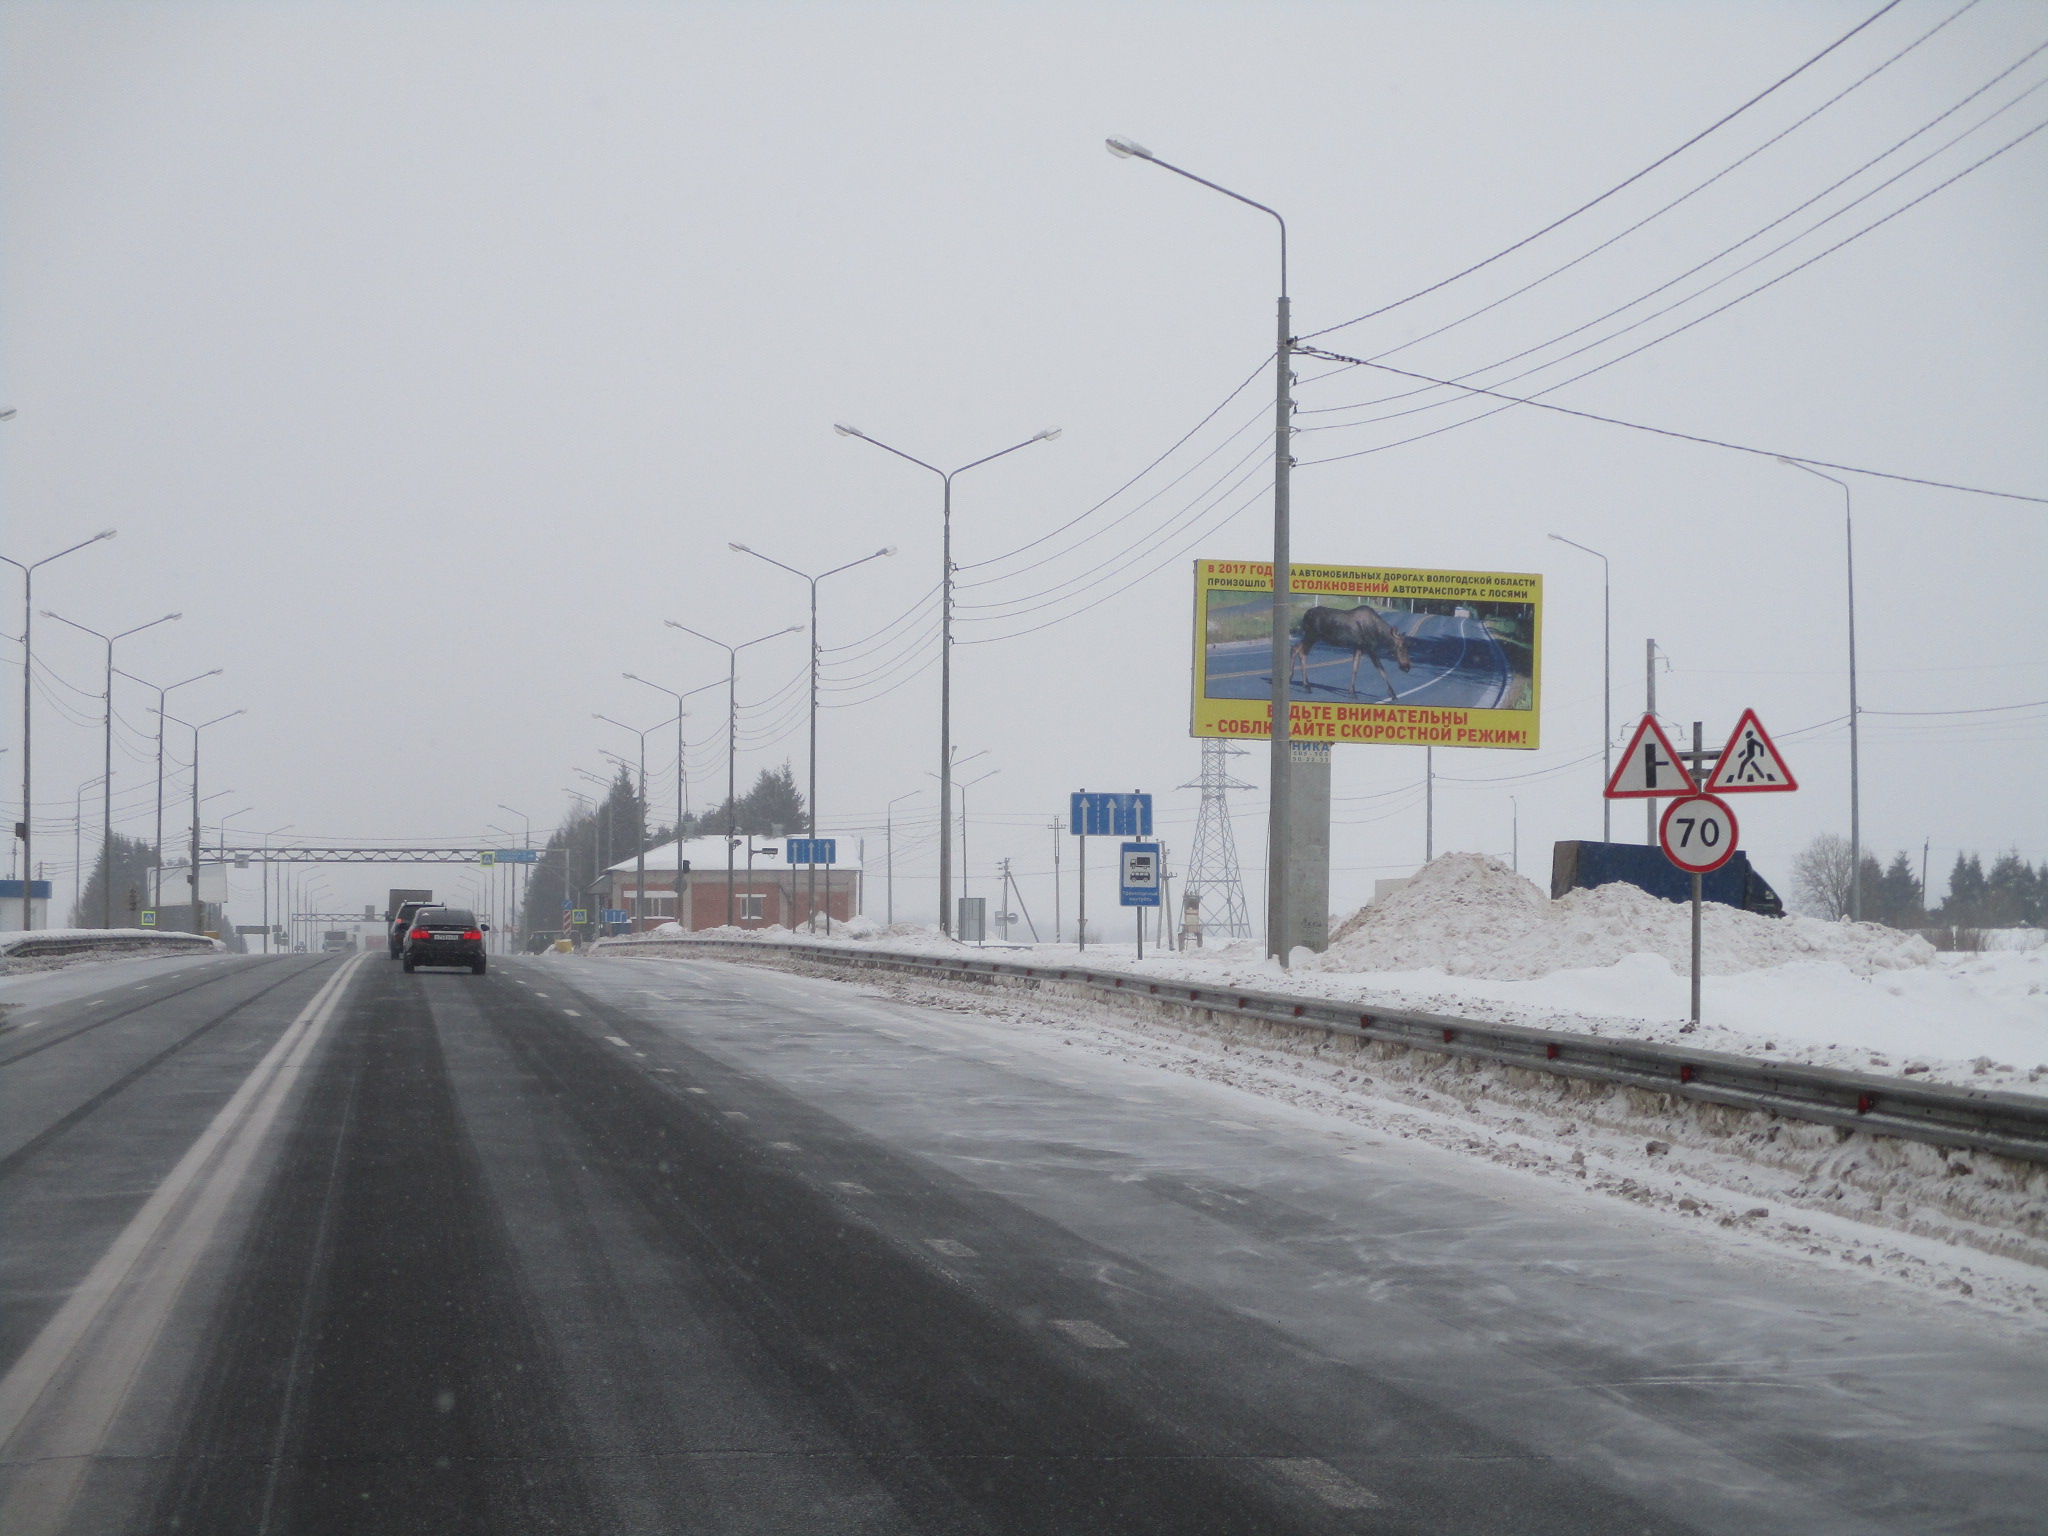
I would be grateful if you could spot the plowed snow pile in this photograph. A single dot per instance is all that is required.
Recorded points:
(1470, 915)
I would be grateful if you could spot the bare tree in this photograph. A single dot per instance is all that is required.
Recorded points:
(1820, 876)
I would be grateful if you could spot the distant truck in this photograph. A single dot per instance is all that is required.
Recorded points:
(336, 941)
(1580, 865)
(398, 898)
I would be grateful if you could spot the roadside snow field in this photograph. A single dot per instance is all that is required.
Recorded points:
(1468, 936)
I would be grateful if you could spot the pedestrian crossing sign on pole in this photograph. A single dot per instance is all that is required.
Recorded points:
(1750, 763)
(1650, 767)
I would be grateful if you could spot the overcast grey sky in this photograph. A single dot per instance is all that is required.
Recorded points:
(427, 357)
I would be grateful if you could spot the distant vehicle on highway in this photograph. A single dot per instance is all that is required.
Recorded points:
(445, 936)
(540, 942)
(401, 921)
(336, 942)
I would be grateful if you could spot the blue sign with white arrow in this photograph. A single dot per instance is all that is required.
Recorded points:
(812, 850)
(1105, 815)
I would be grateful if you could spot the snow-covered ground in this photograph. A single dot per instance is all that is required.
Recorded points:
(22, 991)
(1470, 937)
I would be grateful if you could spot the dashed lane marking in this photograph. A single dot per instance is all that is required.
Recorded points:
(696, 1090)
(848, 1187)
(949, 1248)
(1326, 1483)
(785, 1146)
(621, 1044)
(573, 1013)
(1088, 1335)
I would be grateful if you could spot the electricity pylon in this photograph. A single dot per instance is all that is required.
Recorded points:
(1213, 876)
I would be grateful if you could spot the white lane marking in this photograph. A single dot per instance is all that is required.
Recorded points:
(949, 1248)
(615, 1040)
(1326, 1483)
(670, 1070)
(785, 1146)
(540, 994)
(696, 1090)
(575, 1015)
(848, 1187)
(157, 1251)
(734, 1114)
(1088, 1335)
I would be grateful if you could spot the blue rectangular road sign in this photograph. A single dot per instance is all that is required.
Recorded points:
(1138, 875)
(516, 855)
(1091, 815)
(616, 915)
(811, 850)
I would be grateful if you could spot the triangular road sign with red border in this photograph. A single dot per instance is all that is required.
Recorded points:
(1651, 768)
(1750, 763)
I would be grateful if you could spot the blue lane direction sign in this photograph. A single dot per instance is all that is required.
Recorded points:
(613, 915)
(1138, 870)
(1105, 815)
(811, 850)
(514, 855)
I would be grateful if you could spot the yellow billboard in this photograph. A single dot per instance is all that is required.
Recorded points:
(1376, 655)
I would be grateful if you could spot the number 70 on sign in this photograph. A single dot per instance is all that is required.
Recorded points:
(1698, 833)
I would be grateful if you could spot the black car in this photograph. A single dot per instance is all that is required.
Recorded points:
(401, 924)
(445, 936)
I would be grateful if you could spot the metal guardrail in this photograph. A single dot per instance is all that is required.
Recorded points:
(2008, 1124)
(31, 946)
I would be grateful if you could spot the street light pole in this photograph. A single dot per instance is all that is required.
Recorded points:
(525, 874)
(1279, 903)
(1855, 785)
(192, 878)
(1606, 686)
(889, 851)
(157, 883)
(732, 733)
(682, 772)
(811, 818)
(266, 879)
(26, 830)
(107, 768)
(640, 842)
(945, 774)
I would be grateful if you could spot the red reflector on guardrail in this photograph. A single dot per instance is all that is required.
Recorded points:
(1685, 1074)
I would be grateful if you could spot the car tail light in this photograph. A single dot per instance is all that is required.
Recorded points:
(474, 933)
(421, 933)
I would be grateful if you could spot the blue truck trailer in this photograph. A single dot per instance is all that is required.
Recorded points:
(1578, 865)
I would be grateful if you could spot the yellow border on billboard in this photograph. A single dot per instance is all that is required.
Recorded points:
(1440, 618)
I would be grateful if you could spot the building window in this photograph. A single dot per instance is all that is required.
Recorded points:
(753, 908)
(657, 903)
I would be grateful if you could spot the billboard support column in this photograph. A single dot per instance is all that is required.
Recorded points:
(1280, 822)
(1308, 865)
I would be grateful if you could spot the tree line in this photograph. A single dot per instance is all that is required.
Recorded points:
(598, 834)
(2010, 894)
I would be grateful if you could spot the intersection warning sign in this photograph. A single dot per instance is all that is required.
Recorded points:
(1750, 762)
(1650, 767)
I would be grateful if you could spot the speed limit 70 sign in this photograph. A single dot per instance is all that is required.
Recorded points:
(1698, 833)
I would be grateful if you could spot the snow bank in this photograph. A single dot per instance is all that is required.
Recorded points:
(1467, 914)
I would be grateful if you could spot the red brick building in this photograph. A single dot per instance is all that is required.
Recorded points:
(765, 891)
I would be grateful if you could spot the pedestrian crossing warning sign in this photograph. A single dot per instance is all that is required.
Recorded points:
(1650, 767)
(1750, 761)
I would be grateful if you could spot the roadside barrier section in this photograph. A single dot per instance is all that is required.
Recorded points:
(2008, 1124)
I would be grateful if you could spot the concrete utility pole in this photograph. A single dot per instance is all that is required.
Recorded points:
(640, 842)
(1280, 903)
(945, 773)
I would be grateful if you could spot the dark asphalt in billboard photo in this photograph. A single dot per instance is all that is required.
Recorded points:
(1455, 662)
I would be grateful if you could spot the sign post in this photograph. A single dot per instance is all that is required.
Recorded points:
(1104, 815)
(1698, 834)
(1138, 868)
(814, 851)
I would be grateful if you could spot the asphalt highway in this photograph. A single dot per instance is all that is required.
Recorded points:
(1453, 663)
(310, 1245)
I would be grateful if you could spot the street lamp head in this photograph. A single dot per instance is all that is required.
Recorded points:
(1048, 434)
(170, 616)
(740, 547)
(672, 624)
(104, 533)
(1125, 149)
(845, 431)
(887, 549)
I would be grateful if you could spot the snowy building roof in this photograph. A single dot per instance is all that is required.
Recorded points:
(708, 853)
